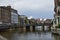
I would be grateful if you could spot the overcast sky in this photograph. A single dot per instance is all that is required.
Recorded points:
(32, 8)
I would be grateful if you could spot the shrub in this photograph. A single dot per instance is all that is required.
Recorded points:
(58, 26)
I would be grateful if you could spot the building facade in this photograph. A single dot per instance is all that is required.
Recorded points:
(5, 15)
(8, 16)
(23, 20)
(56, 19)
(14, 17)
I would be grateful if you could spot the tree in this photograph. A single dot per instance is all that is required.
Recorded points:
(58, 25)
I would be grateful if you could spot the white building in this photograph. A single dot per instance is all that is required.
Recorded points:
(56, 20)
(23, 19)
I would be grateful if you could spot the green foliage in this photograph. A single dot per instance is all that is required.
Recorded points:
(58, 26)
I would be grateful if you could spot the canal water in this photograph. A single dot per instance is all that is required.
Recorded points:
(29, 35)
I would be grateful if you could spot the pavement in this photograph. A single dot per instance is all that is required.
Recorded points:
(2, 38)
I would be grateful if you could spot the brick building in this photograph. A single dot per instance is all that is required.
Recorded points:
(5, 15)
(8, 15)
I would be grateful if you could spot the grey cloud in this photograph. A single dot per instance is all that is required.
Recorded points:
(32, 6)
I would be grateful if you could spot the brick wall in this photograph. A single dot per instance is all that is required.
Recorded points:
(5, 14)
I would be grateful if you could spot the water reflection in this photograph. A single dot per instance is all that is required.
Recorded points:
(56, 37)
(37, 35)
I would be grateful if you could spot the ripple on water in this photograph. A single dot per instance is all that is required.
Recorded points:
(30, 36)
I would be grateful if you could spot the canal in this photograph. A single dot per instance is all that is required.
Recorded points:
(28, 35)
